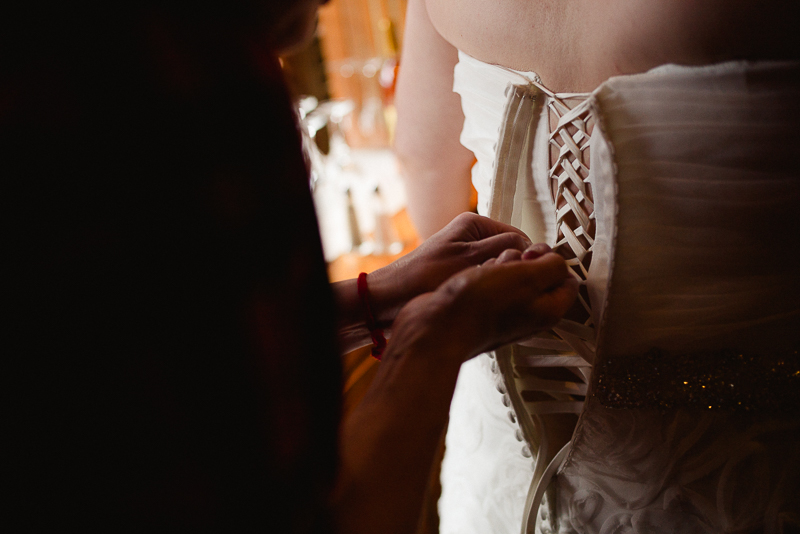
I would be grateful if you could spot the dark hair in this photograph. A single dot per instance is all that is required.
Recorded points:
(173, 322)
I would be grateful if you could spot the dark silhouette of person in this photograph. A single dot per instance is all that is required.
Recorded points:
(172, 324)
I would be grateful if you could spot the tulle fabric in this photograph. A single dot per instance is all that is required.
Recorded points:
(706, 241)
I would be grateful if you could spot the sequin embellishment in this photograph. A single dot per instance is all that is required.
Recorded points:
(720, 380)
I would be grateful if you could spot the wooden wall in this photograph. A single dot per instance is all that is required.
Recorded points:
(359, 39)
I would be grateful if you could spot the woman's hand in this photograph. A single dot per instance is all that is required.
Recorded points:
(389, 440)
(504, 300)
(467, 241)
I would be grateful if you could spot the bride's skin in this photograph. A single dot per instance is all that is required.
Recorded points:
(574, 46)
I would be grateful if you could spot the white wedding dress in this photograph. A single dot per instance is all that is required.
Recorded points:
(677, 191)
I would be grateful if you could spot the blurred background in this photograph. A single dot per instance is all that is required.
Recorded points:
(343, 84)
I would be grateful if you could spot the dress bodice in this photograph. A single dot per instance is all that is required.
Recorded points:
(691, 166)
(692, 180)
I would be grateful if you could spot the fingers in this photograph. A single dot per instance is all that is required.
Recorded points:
(518, 298)
(538, 294)
(504, 280)
(535, 251)
(496, 245)
(542, 273)
(543, 286)
(484, 227)
(558, 300)
(509, 255)
(552, 305)
(504, 300)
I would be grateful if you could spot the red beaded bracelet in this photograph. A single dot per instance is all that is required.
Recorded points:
(378, 341)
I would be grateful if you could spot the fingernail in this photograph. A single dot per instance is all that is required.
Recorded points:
(534, 251)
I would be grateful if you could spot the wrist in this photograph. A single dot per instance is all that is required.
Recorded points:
(375, 329)
(385, 294)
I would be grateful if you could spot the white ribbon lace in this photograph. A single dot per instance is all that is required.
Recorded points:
(570, 346)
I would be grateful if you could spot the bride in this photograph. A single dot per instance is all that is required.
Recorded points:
(654, 145)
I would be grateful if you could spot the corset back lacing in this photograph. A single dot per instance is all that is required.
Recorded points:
(549, 374)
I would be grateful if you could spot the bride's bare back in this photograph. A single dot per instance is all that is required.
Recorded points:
(575, 45)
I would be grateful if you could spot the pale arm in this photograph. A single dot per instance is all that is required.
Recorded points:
(435, 166)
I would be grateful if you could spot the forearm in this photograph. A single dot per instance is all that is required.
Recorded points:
(389, 442)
